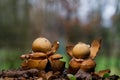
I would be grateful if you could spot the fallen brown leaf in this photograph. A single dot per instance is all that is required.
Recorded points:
(101, 73)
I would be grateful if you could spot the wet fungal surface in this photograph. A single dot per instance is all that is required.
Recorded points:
(43, 63)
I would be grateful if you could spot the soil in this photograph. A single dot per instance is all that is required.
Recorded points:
(35, 74)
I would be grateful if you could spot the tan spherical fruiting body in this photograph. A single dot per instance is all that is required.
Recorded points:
(88, 65)
(41, 45)
(81, 50)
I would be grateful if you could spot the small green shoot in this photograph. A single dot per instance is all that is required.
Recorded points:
(71, 77)
(106, 75)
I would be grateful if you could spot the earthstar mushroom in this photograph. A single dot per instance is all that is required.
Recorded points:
(83, 56)
(43, 53)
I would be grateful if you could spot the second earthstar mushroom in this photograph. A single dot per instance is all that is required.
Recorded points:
(83, 56)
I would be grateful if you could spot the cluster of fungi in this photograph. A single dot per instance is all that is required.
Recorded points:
(43, 63)
(43, 56)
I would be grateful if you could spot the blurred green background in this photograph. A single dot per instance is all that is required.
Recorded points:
(67, 21)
